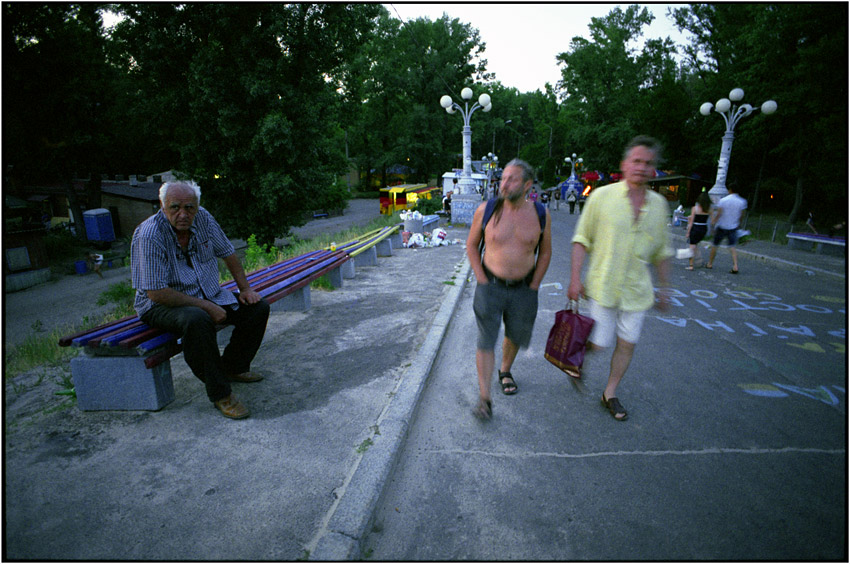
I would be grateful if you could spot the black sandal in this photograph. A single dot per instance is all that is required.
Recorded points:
(614, 406)
(484, 409)
(506, 385)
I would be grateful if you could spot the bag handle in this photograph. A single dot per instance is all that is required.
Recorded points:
(572, 305)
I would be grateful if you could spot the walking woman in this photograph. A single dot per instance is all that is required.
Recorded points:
(697, 225)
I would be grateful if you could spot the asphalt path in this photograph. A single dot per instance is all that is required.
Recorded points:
(735, 446)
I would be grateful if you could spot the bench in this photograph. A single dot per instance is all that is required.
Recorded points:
(126, 365)
(832, 245)
(365, 249)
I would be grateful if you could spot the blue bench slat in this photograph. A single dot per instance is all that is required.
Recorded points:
(115, 339)
(82, 341)
(278, 268)
(156, 342)
(298, 277)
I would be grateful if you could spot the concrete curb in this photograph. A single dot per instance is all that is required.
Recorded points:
(782, 263)
(348, 521)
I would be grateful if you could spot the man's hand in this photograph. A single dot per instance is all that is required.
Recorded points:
(249, 297)
(575, 290)
(216, 313)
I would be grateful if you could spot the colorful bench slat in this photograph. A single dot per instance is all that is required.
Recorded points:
(272, 283)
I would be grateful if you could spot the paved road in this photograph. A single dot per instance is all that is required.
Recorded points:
(735, 448)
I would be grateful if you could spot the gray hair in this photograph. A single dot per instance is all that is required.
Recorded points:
(527, 171)
(163, 190)
(650, 143)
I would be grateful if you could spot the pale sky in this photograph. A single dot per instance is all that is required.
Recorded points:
(523, 39)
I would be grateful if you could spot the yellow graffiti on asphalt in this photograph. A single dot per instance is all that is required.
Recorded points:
(814, 347)
(840, 348)
(829, 299)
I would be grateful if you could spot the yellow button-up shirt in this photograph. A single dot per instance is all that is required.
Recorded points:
(620, 249)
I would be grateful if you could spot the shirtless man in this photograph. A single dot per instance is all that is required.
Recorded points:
(509, 274)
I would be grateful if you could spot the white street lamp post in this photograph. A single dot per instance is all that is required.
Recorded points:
(573, 162)
(731, 115)
(466, 185)
(464, 204)
(572, 181)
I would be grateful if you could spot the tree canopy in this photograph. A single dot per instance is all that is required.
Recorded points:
(267, 105)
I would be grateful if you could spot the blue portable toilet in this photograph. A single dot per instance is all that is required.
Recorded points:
(98, 224)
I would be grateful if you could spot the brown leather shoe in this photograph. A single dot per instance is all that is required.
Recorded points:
(246, 377)
(232, 408)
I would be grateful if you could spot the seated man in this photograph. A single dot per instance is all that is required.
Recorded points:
(175, 274)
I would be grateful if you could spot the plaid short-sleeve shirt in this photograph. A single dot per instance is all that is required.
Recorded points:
(157, 261)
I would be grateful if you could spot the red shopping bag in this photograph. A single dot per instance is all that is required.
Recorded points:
(567, 341)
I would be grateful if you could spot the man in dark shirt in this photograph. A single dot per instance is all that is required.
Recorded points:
(175, 273)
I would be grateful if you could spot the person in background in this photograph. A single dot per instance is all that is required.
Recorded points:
(174, 270)
(697, 226)
(572, 197)
(727, 220)
(623, 229)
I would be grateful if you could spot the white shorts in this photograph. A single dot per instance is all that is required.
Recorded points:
(609, 321)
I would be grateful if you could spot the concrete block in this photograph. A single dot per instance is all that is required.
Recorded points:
(299, 300)
(347, 269)
(369, 257)
(121, 383)
(384, 248)
(396, 240)
(22, 280)
(335, 277)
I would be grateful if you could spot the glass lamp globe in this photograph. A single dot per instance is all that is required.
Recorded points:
(446, 101)
(723, 105)
(484, 100)
(466, 93)
(736, 95)
(706, 108)
(768, 107)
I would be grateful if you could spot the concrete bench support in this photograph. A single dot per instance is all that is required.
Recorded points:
(396, 240)
(347, 269)
(299, 300)
(384, 248)
(121, 383)
(335, 276)
(369, 257)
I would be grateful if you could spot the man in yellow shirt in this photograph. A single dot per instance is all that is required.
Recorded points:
(623, 229)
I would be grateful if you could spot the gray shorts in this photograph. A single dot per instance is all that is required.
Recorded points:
(516, 305)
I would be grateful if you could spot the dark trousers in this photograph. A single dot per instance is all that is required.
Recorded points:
(200, 347)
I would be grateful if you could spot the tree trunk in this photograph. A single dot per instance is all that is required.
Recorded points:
(93, 193)
(798, 199)
(758, 183)
(76, 209)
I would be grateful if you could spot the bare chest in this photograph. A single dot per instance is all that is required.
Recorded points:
(513, 230)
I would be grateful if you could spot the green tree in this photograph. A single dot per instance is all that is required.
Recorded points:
(246, 93)
(609, 85)
(784, 52)
(396, 82)
(58, 96)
